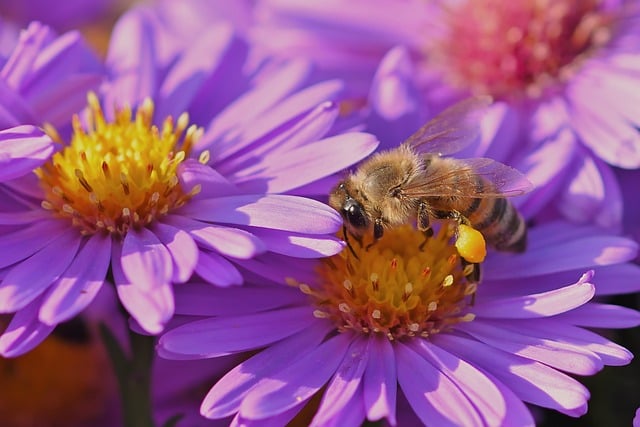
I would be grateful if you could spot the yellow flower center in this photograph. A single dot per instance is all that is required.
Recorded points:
(115, 175)
(519, 48)
(395, 287)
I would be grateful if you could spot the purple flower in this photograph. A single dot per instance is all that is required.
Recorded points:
(139, 196)
(462, 353)
(562, 80)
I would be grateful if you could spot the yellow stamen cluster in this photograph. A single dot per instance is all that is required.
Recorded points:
(119, 174)
(395, 287)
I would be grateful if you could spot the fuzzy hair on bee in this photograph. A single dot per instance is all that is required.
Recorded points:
(417, 182)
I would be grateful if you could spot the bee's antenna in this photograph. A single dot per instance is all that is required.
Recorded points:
(346, 240)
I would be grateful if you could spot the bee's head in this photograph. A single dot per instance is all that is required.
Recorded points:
(352, 211)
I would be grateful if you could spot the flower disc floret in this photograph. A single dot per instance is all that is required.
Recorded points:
(397, 287)
(525, 49)
(119, 174)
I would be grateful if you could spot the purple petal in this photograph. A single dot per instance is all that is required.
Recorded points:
(435, 399)
(216, 270)
(226, 79)
(225, 397)
(211, 182)
(491, 400)
(380, 381)
(132, 59)
(580, 253)
(607, 133)
(268, 266)
(26, 185)
(200, 299)
(229, 241)
(297, 382)
(15, 71)
(226, 240)
(186, 78)
(299, 245)
(531, 381)
(279, 420)
(548, 119)
(28, 279)
(21, 218)
(393, 93)
(80, 283)
(227, 335)
(23, 149)
(292, 108)
(617, 279)
(501, 122)
(183, 250)
(345, 382)
(145, 260)
(23, 243)
(351, 415)
(153, 308)
(310, 127)
(303, 165)
(24, 331)
(538, 305)
(245, 109)
(593, 195)
(15, 109)
(609, 280)
(609, 352)
(569, 358)
(545, 167)
(280, 212)
(594, 315)
(557, 232)
(66, 69)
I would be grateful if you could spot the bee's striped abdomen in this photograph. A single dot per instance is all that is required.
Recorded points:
(499, 221)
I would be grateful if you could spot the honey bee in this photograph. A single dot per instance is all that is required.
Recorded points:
(415, 182)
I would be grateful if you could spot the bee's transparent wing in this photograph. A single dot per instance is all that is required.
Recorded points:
(479, 177)
(452, 130)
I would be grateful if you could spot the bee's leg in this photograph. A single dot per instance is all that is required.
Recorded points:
(472, 274)
(378, 231)
(423, 223)
(452, 215)
(455, 216)
(345, 233)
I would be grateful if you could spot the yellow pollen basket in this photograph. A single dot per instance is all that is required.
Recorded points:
(471, 244)
(395, 288)
(117, 174)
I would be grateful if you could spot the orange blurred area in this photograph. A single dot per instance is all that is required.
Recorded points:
(65, 381)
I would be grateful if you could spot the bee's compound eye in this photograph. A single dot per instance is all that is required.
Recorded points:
(354, 214)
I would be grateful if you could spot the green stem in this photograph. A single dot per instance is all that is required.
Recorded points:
(133, 375)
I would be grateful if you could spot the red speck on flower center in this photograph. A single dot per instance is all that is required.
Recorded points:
(520, 48)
